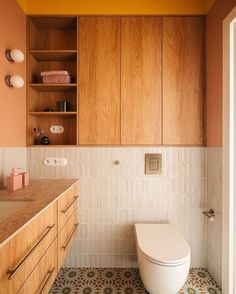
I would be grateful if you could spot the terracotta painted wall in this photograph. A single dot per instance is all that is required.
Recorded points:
(12, 101)
(217, 13)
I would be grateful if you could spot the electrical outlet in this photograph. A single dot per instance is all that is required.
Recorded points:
(57, 161)
(57, 129)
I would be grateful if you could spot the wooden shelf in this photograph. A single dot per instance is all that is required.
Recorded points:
(54, 55)
(53, 113)
(53, 87)
(52, 45)
(54, 22)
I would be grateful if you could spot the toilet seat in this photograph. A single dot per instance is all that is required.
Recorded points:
(162, 244)
(164, 263)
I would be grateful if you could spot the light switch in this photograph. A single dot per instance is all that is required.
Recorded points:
(153, 163)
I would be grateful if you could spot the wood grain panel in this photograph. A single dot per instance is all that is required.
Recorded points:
(99, 68)
(141, 80)
(183, 76)
(52, 33)
(43, 276)
(67, 204)
(17, 248)
(66, 237)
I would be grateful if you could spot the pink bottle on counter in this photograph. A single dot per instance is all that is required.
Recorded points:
(25, 179)
(14, 181)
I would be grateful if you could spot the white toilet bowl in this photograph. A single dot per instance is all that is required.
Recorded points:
(163, 257)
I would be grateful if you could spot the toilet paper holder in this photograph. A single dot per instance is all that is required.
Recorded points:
(210, 214)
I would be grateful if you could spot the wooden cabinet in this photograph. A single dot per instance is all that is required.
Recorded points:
(66, 237)
(30, 261)
(67, 204)
(141, 80)
(183, 78)
(99, 68)
(138, 80)
(43, 276)
(20, 255)
(52, 45)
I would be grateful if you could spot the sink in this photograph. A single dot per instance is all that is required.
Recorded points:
(9, 208)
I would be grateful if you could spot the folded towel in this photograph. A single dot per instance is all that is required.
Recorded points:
(54, 73)
(56, 79)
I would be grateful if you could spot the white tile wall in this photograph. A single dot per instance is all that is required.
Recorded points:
(9, 158)
(113, 198)
(214, 200)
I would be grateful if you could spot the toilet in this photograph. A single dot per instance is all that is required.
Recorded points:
(163, 257)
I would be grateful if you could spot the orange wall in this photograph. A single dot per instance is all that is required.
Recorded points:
(12, 101)
(217, 13)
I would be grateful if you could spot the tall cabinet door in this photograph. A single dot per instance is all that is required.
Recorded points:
(99, 80)
(141, 80)
(183, 77)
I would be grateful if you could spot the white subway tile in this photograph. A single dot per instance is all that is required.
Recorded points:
(113, 198)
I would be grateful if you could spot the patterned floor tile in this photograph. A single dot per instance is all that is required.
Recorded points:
(123, 281)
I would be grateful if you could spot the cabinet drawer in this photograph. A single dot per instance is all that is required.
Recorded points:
(20, 255)
(41, 279)
(66, 237)
(67, 204)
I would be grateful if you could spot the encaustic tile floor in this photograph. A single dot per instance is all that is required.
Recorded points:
(123, 281)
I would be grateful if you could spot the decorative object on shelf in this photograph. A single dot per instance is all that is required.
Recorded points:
(62, 106)
(45, 140)
(56, 77)
(40, 137)
(15, 55)
(48, 110)
(14, 81)
(54, 73)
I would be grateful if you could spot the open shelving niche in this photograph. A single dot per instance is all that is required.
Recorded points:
(52, 45)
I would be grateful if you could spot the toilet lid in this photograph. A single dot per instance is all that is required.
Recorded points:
(162, 243)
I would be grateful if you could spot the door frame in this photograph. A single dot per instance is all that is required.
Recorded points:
(229, 147)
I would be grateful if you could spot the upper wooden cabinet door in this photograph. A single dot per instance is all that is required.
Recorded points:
(141, 80)
(183, 76)
(99, 80)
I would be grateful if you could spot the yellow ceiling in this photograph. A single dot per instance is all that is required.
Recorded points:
(154, 7)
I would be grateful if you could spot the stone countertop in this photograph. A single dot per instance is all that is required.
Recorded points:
(21, 206)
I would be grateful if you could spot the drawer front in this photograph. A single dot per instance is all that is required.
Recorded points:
(67, 204)
(20, 255)
(43, 276)
(66, 237)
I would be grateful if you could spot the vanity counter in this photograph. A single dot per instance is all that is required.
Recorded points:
(20, 207)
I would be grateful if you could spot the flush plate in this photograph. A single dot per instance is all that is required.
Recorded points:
(153, 163)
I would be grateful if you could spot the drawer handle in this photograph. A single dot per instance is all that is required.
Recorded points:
(12, 273)
(69, 205)
(49, 273)
(70, 236)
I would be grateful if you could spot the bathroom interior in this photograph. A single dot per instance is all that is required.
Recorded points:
(111, 135)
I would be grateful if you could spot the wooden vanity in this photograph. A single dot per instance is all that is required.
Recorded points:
(34, 241)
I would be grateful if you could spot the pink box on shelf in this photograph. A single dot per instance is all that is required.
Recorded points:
(14, 182)
(25, 179)
(56, 80)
